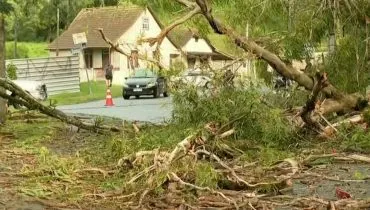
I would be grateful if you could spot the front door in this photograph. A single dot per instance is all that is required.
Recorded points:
(105, 58)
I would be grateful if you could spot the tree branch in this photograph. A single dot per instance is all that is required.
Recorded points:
(187, 3)
(118, 49)
(28, 101)
(159, 39)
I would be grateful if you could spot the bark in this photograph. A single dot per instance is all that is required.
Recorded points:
(3, 107)
(24, 99)
(340, 101)
(310, 106)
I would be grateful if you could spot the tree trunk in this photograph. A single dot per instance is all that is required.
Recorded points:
(24, 99)
(3, 106)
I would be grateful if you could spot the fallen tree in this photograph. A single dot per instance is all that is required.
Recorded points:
(337, 101)
(24, 99)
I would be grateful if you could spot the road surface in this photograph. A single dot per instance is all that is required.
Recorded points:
(155, 110)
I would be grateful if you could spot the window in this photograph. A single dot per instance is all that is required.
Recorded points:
(146, 24)
(88, 58)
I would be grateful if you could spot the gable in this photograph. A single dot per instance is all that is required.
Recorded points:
(136, 31)
(197, 45)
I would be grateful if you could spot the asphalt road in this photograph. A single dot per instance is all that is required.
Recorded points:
(155, 110)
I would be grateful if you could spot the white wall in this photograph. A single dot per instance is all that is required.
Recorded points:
(131, 36)
(197, 46)
(53, 53)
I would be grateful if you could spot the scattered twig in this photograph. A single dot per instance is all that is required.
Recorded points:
(142, 173)
(226, 134)
(174, 177)
(103, 172)
(233, 173)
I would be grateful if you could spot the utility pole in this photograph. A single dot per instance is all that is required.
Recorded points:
(57, 53)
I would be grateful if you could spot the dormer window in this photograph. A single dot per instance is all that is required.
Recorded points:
(146, 24)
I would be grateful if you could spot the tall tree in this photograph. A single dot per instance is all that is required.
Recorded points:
(5, 8)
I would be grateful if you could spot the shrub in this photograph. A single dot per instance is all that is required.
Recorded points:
(11, 71)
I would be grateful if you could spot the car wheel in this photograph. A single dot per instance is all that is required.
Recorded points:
(165, 94)
(126, 97)
(137, 97)
(156, 93)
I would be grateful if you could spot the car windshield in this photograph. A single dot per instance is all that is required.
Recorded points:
(143, 73)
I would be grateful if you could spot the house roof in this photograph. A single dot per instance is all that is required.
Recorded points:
(182, 36)
(115, 21)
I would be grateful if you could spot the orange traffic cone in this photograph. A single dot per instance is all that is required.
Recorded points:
(108, 99)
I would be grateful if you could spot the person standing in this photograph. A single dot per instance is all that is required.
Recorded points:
(108, 75)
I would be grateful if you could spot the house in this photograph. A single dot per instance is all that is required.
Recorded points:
(123, 25)
(126, 26)
(197, 50)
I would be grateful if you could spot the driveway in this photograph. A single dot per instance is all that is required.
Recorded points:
(155, 110)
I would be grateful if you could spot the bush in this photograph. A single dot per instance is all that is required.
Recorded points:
(11, 71)
(243, 109)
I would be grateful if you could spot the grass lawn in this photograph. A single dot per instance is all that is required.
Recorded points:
(27, 50)
(98, 93)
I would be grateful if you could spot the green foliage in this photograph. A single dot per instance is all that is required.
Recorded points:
(26, 50)
(262, 73)
(356, 140)
(11, 71)
(347, 67)
(206, 175)
(252, 119)
(5, 7)
(22, 51)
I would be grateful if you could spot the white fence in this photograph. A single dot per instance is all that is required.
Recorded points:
(60, 74)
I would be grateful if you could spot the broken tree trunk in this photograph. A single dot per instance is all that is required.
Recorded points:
(28, 101)
(338, 102)
(309, 108)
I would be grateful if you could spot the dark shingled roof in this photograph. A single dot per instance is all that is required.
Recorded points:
(115, 21)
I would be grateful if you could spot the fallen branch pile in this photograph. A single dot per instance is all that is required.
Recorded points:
(238, 186)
